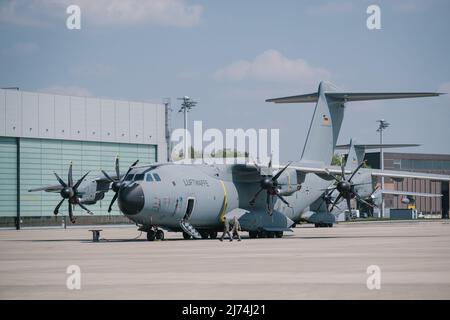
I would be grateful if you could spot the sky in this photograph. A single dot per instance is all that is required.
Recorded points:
(233, 55)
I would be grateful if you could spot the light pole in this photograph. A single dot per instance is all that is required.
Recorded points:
(186, 106)
(383, 124)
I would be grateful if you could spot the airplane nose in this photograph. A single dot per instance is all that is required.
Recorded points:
(131, 199)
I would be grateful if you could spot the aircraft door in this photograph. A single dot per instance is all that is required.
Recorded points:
(189, 208)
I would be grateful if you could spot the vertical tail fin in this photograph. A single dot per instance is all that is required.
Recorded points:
(329, 113)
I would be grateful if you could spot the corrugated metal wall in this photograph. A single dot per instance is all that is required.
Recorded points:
(40, 157)
(8, 171)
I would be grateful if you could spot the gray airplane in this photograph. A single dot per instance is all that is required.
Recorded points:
(268, 200)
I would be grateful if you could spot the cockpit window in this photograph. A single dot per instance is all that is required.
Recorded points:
(149, 177)
(139, 177)
(156, 176)
(129, 177)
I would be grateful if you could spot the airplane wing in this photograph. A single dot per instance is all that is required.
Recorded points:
(408, 193)
(53, 188)
(407, 174)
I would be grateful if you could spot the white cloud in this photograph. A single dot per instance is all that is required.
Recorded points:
(330, 8)
(104, 12)
(19, 12)
(68, 90)
(272, 66)
(21, 48)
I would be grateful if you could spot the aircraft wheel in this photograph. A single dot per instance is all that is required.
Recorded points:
(213, 234)
(279, 234)
(159, 235)
(151, 235)
(253, 234)
(270, 234)
(330, 225)
(186, 236)
(316, 225)
(204, 234)
(262, 234)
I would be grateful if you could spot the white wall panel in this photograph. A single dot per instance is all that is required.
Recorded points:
(136, 122)
(108, 123)
(13, 113)
(62, 117)
(78, 118)
(30, 114)
(122, 121)
(93, 119)
(150, 127)
(46, 115)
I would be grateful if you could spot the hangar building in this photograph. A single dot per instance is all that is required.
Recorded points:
(41, 133)
(428, 163)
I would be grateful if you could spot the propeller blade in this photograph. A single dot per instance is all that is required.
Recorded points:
(252, 202)
(280, 172)
(374, 190)
(107, 176)
(284, 200)
(131, 167)
(336, 201)
(358, 198)
(60, 180)
(349, 205)
(72, 219)
(112, 201)
(342, 168)
(84, 207)
(269, 211)
(69, 176)
(256, 165)
(135, 163)
(56, 211)
(117, 168)
(332, 175)
(270, 162)
(354, 172)
(79, 181)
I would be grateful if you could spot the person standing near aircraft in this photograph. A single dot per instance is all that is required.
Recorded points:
(226, 230)
(236, 229)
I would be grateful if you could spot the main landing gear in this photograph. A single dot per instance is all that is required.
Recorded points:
(323, 225)
(265, 234)
(155, 234)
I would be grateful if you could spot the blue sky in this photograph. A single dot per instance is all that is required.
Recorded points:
(232, 55)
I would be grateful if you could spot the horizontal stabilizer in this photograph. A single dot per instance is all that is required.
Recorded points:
(377, 146)
(354, 96)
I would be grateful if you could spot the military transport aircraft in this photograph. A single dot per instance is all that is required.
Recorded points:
(365, 190)
(196, 198)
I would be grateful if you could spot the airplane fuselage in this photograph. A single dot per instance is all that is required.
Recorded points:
(202, 194)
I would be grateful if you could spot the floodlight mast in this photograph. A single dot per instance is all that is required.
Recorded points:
(383, 124)
(186, 106)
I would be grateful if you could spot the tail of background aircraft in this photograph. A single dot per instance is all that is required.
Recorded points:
(357, 152)
(328, 115)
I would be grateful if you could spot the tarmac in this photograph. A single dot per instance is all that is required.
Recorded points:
(413, 260)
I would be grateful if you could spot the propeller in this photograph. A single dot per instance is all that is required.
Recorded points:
(71, 193)
(116, 182)
(270, 184)
(346, 188)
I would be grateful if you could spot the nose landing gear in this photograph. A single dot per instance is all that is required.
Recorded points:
(155, 234)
